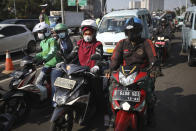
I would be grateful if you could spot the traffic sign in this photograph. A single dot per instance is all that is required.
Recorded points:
(71, 2)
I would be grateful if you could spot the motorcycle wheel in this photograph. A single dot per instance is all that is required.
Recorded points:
(16, 106)
(63, 123)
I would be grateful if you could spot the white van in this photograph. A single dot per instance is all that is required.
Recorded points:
(189, 34)
(111, 27)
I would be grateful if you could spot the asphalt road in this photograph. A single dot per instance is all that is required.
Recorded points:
(175, 109)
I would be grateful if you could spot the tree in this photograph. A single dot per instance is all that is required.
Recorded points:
(193, 2)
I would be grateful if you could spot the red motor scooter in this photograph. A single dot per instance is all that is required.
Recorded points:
(129, 98)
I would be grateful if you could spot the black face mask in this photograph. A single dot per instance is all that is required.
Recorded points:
(133, 36)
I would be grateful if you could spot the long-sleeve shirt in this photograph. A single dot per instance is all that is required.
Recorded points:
(125, 53)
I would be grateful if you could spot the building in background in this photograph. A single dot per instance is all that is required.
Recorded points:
(153, 5)
(134, 4)
(94, 8)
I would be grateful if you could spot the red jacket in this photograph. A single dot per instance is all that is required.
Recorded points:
(86, 49)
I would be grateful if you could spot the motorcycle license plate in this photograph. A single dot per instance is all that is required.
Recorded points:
(64, 83)
(110, 50)
(126, 95)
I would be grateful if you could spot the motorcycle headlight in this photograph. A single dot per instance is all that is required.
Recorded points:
(126, 106)
(193, 42)
(125, 81)
(159, 38)
(60, 100)
(162, 38)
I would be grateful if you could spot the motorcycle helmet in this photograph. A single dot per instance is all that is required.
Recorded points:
(89, 23)
(133, 28)
(42, 29)
(61, 30)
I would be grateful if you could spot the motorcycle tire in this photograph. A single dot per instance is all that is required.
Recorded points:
(63, 123)
(16, 106)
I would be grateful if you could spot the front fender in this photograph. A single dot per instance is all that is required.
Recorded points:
(58, 111)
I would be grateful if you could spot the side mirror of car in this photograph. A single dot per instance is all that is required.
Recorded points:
(95, 57)
(2, 36)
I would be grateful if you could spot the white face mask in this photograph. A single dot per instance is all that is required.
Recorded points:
(88, 38)
(62, 35)
(41, 36)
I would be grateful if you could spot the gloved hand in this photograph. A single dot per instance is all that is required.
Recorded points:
(94, 69)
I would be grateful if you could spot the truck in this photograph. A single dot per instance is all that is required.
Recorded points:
(72, 19)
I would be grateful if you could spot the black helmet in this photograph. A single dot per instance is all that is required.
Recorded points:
(133, 28)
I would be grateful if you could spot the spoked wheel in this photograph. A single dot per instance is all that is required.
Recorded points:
(63, 123)
(16, 106)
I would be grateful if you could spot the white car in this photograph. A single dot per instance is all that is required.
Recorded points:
(14, 37)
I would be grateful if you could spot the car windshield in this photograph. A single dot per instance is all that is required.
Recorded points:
(8, 22)
(113, 24)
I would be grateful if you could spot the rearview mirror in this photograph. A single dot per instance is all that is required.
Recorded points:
(95, 57)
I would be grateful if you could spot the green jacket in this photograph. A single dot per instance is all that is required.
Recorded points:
(49, 52)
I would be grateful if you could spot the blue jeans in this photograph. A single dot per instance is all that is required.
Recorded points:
(40, 82)
(54, 74)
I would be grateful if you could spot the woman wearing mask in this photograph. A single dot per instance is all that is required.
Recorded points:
(81, 54)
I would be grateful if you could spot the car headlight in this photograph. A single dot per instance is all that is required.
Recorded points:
(126, 106)
(193, 42)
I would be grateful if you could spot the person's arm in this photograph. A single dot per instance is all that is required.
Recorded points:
(150, 51)
(99, 50)
(117, 56)
(52, 52)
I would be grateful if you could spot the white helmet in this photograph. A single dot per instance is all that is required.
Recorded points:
(89, 23)
(42, 27)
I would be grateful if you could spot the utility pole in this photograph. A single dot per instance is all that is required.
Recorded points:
(186, 4)
(62, 11)
(15, 8)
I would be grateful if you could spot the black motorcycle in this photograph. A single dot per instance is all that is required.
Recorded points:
(23, 94)
(161, 46)
(73, 97)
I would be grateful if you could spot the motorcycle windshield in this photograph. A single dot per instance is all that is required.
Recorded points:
(74, 69)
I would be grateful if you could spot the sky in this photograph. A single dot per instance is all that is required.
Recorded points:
(121, 4)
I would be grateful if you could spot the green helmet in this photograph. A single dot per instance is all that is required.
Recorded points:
(60, 27)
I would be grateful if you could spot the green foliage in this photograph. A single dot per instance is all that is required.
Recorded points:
(193, 2)
(26, 8)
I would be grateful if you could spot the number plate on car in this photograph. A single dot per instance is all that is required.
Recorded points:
(65, 83)
(126, 95)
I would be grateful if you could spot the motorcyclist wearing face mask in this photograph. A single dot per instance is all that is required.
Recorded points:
(81, 54)
(133, 51)
(48, 56)
(65, 45)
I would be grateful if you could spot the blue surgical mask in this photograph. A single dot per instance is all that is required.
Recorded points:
(62, 35)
